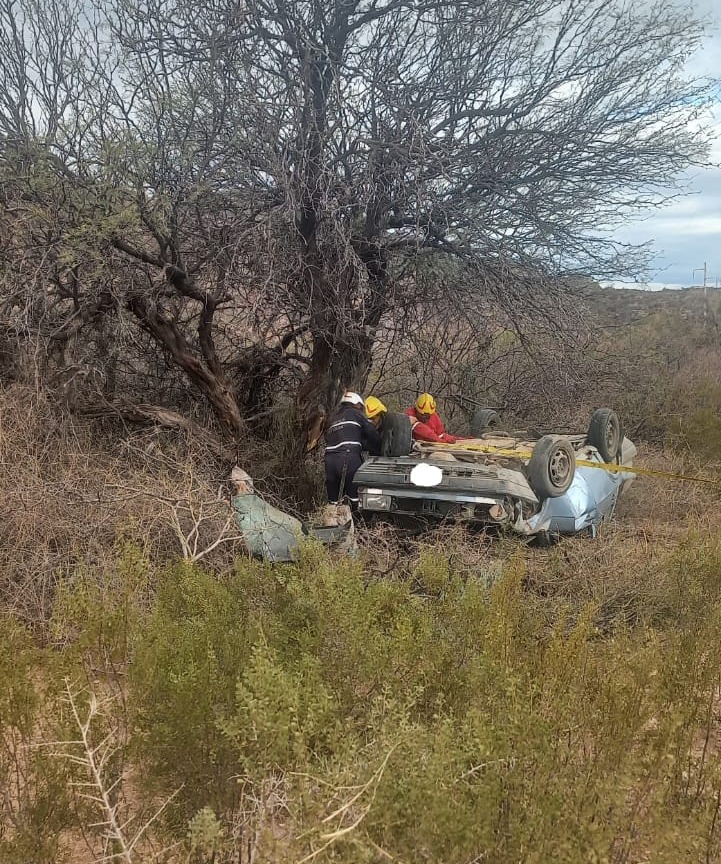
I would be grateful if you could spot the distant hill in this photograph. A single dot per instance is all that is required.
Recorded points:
(617, 306)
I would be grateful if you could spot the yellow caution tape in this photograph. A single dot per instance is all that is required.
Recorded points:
(488, 448)
(652, 472)
(586, 463)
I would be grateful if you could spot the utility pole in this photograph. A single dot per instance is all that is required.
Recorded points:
(703, 269)
(705, 291)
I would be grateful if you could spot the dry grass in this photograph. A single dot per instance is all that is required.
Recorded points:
(619, 571)
(72, 493)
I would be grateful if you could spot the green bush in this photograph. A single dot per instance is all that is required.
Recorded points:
(34, 799)
(449, 724)
(313, 710)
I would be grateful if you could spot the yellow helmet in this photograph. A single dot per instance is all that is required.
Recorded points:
(426, 404)
(374, 407)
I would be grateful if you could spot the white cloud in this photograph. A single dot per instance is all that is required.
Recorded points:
(645, 286)
(691, 223)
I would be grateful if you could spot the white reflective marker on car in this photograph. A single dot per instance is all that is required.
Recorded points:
(425, 474)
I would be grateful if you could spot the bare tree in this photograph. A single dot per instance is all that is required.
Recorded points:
(264, 188)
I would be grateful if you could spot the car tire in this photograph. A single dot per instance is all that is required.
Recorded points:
(552, 467)
(396, 435)
(605, 434)
(482, 420)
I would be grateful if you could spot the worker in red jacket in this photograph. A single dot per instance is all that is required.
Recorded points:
(426, 423)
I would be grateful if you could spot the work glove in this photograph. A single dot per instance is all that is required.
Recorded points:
(448, 439)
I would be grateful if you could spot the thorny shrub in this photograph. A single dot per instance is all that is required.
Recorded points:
(445, 700)
(446, 714)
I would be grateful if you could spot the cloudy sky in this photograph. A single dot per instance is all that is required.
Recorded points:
(687, 233)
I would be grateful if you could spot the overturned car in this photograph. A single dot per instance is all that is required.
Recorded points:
(541, 486)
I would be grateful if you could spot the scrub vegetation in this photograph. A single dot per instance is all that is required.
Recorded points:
(450, 710)
(212, 213)
(213, 219)
(447, 697)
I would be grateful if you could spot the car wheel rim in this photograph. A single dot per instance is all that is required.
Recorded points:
(558, 467)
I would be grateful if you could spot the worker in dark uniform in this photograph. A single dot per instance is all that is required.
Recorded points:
(349, 433)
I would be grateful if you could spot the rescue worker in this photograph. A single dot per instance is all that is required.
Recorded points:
(375, 411)
(426, 424)
(348, 434)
